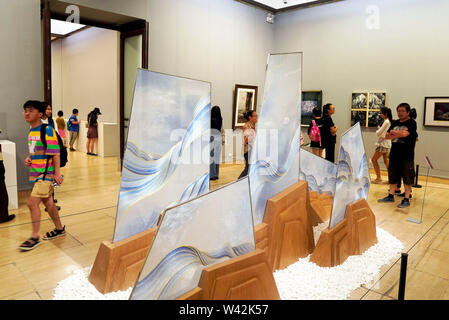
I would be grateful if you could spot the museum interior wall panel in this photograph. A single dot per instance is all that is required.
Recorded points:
(274, 157)
(168, 162)
(85, 68)
(345, 51)
(21, 73)
(223, 42)
(56, 78)
(207, 230)
(353, 181)
(235, 38)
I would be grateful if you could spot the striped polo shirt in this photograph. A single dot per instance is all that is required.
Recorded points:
(39, 154)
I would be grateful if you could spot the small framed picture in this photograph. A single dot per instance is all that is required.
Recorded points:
(436, 112)
(310, 100)
(377, 100)
(359, 101)
(365, 108)
(245, 99)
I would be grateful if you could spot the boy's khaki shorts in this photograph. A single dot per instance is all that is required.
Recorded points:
(42, 189)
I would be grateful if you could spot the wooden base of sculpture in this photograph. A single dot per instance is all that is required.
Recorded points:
(352, 236)
(248, 277)
(286, 233)
(320, 207)
(117, 265)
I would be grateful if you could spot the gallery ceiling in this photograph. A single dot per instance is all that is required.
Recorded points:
(283, 5)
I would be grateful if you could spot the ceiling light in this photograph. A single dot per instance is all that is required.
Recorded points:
(62, 28)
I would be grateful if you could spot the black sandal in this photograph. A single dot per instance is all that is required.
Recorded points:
(30, 244)
(54, 234)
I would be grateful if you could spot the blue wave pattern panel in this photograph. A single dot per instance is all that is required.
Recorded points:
(352, 174)
(320, 174)
(204, 231)
(275, 156)
(165, 280)
(163, 163)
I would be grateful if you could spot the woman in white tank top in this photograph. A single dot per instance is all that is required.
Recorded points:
(383, 145)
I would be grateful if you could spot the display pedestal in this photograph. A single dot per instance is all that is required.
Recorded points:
(320, 207)
(9, 161)
(352, 236)
(118, 265)
(108, 142)
(286, 233)
(248, 277)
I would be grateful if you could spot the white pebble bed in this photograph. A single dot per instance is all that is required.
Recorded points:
(78, 287)
(302, 280)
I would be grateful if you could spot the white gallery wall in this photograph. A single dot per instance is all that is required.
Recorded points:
(225, 42)
(20, 73)
(396, 46)
(85, 73)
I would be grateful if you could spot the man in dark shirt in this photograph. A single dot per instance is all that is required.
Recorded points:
(329, 132)
(403, 139)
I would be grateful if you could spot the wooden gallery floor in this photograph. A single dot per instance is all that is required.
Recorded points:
(89, 197)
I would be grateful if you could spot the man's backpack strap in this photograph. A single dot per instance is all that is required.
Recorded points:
(43, 134)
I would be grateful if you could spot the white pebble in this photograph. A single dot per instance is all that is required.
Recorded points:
(302, 280)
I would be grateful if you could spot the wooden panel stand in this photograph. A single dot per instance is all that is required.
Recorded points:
(353, 235)
(286, 233)
(320, 207)
(248, 277)
(117, 265)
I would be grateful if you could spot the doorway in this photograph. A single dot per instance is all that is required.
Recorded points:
(133, 50)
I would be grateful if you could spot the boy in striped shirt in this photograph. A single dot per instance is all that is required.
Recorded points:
(44, 169)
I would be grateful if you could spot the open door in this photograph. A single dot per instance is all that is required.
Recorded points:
(133, 50)
(46, 48)
(133, 55)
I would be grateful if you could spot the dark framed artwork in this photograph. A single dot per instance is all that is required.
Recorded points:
(436, 112)
(310, 100)
(365, 108)
(245, 99)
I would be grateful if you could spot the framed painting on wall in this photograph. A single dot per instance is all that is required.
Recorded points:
(310, 100)
(436, 112)
(365, 108)
(245, 99)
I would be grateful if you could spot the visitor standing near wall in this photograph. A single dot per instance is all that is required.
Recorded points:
(4, 199)
(60, 123)
(383, 145)
(74, 127)
(92, 132)
(44, 163)
(413, 115)
(249, 135)
(329, 132)
(216, 125)
(403, 139)
(317, 147)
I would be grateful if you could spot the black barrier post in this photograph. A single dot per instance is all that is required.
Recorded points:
(416, 185)
(403, 276)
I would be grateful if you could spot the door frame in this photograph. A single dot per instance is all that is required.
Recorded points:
(103, 19)
(131, 30)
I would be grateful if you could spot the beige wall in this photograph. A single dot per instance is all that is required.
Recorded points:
(20, 73)
(85, 73)
(407, 57)
(224, 42)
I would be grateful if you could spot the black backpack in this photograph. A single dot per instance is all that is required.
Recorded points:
(62, 148)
